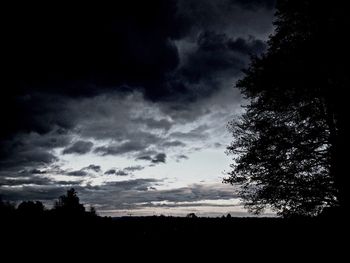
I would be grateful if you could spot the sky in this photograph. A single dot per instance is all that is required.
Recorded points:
(128, 104)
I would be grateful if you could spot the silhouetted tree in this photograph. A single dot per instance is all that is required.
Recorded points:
(191, 215)
(30, 208)
(69, 204)
(287, 146)
(92, 211)
(6, 208)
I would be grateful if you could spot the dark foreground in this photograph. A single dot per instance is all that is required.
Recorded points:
(170, 239)
(295, 234)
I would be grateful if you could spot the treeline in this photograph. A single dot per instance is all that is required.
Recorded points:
(66, 208)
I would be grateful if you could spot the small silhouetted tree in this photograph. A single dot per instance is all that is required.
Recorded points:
(92, 211)
(30, 208)
(6, 208)
(69, 203)
(191, 215)
(288, 146)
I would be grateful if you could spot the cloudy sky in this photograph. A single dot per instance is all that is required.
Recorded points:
(127, 104)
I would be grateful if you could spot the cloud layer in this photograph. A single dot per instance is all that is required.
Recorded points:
(138, 89)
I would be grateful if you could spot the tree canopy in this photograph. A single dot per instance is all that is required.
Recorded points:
(70, 203)
(287, 146)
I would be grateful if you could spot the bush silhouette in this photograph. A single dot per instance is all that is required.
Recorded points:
(69, 204)
(30, 208)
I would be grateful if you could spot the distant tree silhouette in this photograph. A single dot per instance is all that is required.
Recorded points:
(6, 208)
(69, 204)
(31, 208)
(191, 215)
(92, 211)
(288, 147)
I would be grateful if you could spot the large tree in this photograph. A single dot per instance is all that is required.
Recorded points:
(288, 147)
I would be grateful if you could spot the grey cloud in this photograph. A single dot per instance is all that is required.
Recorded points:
(142, 188)
(173, 144)
(48, 193)
(196, 133)
(127, 147)
(218, 145)
(217, 58)
(96, 168)
(153, 157)
(121, 173)
(151, 123)
(144, 158)
(137, 142)
(27, 157)
(134, 168)
(237, 18)
(127, 185)
(30, 152)
(117, 172)
(159, 158)
(110, 171)
(32, 180)
(75, 183)
(123, 194)
(43, 108)
(255, 4)
(247, 46)
(77, 173)
(79, 147)
(129, 194)
(181, 157)
(203, 61)
(54, 139)
(37, 171)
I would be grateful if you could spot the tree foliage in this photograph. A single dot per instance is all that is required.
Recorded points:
(286, 146)
(69, 203)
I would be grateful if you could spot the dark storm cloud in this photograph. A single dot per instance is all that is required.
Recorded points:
(235, 17)
(216, 59)
(63, 53)
(69, 53)
(79, 147)
(254, 4)
(72, 72)
(23, 157)
(31, 151)
(77, 173)
(32, 193)
(32, 180)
